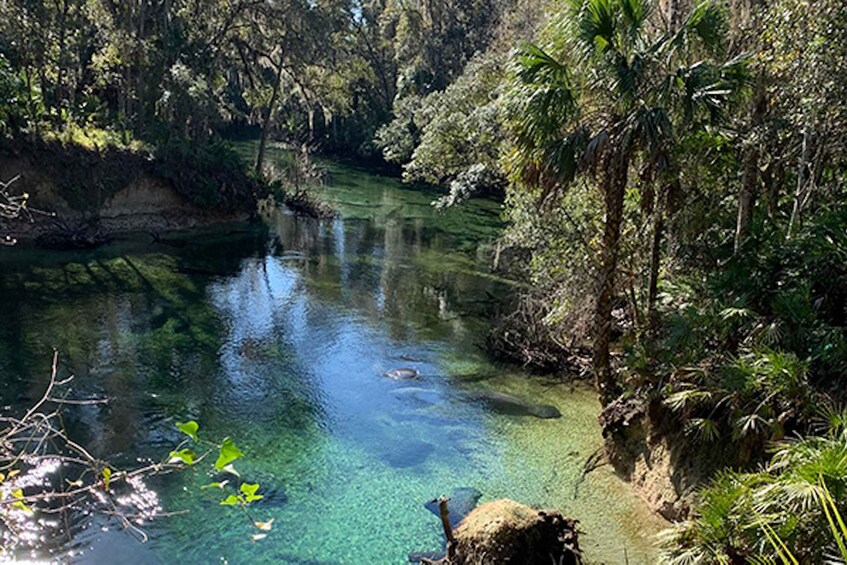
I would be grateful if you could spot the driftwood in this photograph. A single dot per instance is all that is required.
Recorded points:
(595, 460)
(12, 206)
(158, 239)
(306, 204)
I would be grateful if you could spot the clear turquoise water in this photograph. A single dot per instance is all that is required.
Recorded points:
(280, 340)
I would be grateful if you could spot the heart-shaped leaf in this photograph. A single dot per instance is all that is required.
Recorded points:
(228, 454)
(185, 455)
(249, 492)
(189, 428)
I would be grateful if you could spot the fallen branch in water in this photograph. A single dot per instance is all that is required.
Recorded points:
(36, 454)
(595, 460)
(444, 514)
(44, 472)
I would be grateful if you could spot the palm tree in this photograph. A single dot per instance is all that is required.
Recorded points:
(789, 512)
(620, 98)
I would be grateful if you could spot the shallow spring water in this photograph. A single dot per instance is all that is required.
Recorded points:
(280, 340)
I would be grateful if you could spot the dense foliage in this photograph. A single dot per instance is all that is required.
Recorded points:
(331, 72)
(789, 512)
(720, 236)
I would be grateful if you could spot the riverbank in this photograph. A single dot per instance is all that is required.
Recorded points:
(81, 194)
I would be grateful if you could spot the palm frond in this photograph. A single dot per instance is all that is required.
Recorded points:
(563, 157)
(833, 517)
(832, 417)
(707, 23)
(634, 15)
(684, 399)
(750, 425)
(537, 66)
(704, 429)
(547, 99)
(598, 25)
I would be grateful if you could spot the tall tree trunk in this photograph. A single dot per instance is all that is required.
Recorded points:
(802, 180)
(59, 93)
(266, 126)
(614, 186)
(140, 77)
(750, 165)
(655, 260)
(31, 104)
(772, 178)
(673, 15)
(747, 195)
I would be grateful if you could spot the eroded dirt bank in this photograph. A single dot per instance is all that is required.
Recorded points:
(74, 191)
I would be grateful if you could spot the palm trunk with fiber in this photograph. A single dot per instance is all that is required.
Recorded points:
(614, 186)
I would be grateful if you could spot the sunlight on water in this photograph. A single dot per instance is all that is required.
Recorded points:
(282, 341)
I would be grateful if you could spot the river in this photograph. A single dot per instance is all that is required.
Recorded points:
(279, 337)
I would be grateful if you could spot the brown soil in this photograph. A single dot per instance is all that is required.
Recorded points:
(74, 191)
(505, 531)
(656, 459)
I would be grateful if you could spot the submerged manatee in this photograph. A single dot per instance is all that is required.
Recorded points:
(423, 395)
(408, 454)
(402, 374)
(503, 403)
(462, 501)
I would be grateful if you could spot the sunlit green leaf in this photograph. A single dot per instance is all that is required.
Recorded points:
(20, 505)
(107, 478)
(231, 500)
(249, 488)
(189, 428)
(249, 491)
(185, 455)
(219, 485)
(228, 454)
